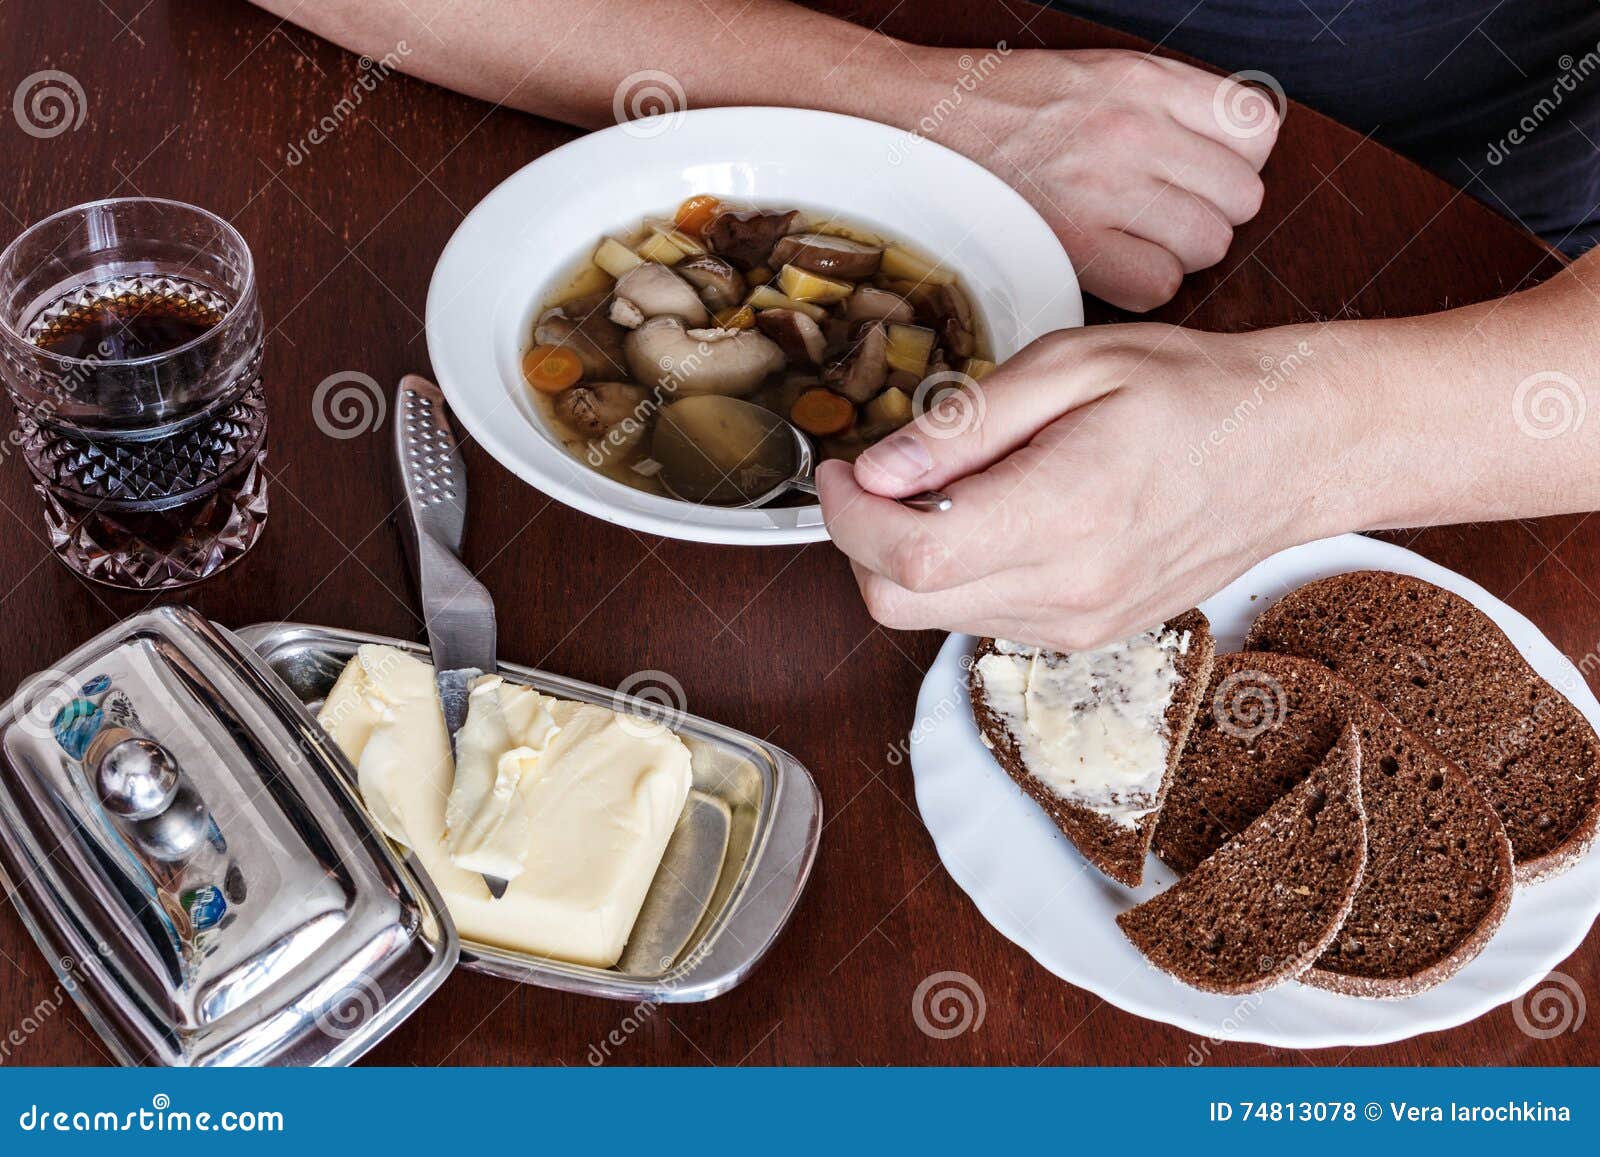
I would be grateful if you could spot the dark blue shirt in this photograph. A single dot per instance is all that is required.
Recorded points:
(1501, 99)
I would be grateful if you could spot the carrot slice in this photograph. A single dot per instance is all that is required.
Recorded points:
(695, 214)
(822, 412)
(551, 368)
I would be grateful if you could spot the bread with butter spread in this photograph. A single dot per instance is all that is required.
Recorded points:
(1093, 736)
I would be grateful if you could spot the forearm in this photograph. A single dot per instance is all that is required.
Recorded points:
(1472, 414)
(571, 60)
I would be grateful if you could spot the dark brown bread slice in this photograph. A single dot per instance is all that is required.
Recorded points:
(1438, 879)
(1451, 675)
(1116, 849)
(1261, 908)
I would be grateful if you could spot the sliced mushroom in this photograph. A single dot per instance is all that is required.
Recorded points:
(955, 321)
(872, 304)
(799, 337)
(828, 256)
(659, 292)
(720, 285)
(661, 352)
(867, 369)
(746, 238)
(592, 408)
(587, 333)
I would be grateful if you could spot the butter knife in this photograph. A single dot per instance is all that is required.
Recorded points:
(456, 607)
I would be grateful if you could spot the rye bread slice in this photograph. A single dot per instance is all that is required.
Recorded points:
(1451, 675)
(1438, 878)
(1117, 849)
(1260, 909)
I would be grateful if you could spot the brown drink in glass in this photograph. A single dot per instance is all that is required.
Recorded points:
(130, 343)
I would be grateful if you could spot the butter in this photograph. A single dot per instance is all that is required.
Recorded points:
(385, 716)
(1091, 725)
(506, 731)
(600, 795)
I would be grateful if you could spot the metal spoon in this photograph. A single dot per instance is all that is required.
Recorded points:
(796, 469)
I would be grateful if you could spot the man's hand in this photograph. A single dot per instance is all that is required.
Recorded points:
(1143, 166)
(1103, 480)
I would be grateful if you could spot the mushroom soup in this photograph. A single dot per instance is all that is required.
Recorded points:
(843, 333)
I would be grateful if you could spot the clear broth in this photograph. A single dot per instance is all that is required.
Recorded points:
(623, 454)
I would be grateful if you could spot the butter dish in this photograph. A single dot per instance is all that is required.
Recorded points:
(225, 899)
(734, 869)
(189, 851)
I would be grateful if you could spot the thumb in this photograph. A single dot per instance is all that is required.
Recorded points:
(963, 426)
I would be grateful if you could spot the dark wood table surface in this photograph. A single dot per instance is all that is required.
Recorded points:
(200, 100)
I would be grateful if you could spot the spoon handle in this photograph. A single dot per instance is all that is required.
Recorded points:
(929, 501)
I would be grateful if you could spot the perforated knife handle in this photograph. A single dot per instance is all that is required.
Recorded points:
(432, 476)
(432, 479)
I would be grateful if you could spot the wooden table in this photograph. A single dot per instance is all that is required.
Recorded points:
(201, 101)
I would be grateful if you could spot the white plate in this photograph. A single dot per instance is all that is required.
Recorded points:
(525, 239)
(1032, 885)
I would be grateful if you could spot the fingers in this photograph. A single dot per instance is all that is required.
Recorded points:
(1212, 172)
(1147, 171)
(1193, 193)
(1189, 227)
(1127, 271)
(974, 427)
(1242, 118)
(919, 550)
(1073, 610)
(1015, 514)
(999, 606)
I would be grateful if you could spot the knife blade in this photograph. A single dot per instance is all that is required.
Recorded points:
(457, 609)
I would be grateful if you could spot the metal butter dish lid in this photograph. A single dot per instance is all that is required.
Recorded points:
(179, 839)
(189, 850)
